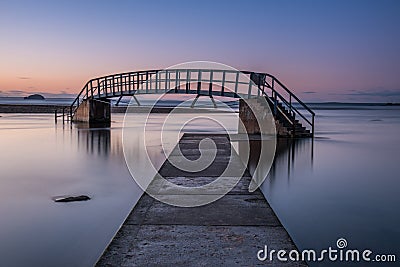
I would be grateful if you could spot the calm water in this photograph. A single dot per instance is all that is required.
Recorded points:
(347, 187)
(39, 161)
(344, 184)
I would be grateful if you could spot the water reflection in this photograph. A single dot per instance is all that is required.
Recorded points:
(107, 143)
(95, 141)
(288, 152)
(344, 184)
(44, 160)
(99, 142)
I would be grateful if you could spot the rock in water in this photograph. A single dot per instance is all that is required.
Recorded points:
(35, 97)
(71, 198)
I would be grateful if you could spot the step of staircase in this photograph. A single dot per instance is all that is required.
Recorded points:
(285, 118)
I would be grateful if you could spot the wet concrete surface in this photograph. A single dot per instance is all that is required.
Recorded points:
(227, 232)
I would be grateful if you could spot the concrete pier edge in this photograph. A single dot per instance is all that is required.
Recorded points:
(227, 232)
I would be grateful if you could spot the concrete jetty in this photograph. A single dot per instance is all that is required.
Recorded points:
(227, 232)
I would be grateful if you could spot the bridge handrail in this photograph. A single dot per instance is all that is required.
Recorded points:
(289, 103)
(291, 107)
(91, 91)
(291, 94)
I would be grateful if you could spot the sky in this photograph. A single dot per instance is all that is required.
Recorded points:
(322, 50)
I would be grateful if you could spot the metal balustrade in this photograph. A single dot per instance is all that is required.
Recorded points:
(208, 82)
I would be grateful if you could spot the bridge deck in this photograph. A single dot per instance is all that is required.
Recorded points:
(292, 114)
(227, 232)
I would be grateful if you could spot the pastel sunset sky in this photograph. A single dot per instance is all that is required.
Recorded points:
(322, 50)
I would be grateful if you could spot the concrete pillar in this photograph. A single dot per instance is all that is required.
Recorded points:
(248, 118)
(93, 112)
(255, 116)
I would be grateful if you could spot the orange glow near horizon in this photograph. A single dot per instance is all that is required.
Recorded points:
(336, 51)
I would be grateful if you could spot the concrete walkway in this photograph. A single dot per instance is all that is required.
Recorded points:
(227, 232)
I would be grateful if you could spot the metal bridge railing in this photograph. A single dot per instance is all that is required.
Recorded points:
(212, 82)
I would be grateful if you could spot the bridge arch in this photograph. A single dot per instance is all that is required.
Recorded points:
(287, 108)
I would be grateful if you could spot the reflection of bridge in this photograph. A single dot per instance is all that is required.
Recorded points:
(93, 103)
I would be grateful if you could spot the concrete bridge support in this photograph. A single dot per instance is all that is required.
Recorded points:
(255, 116)
(93, 111)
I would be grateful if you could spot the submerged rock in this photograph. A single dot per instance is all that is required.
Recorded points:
(71, 198)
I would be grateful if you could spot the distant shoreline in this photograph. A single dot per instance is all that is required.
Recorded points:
(38, 108)
(31, 108)
(50, 109)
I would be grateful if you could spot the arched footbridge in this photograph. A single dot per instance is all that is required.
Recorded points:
(289, 111)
